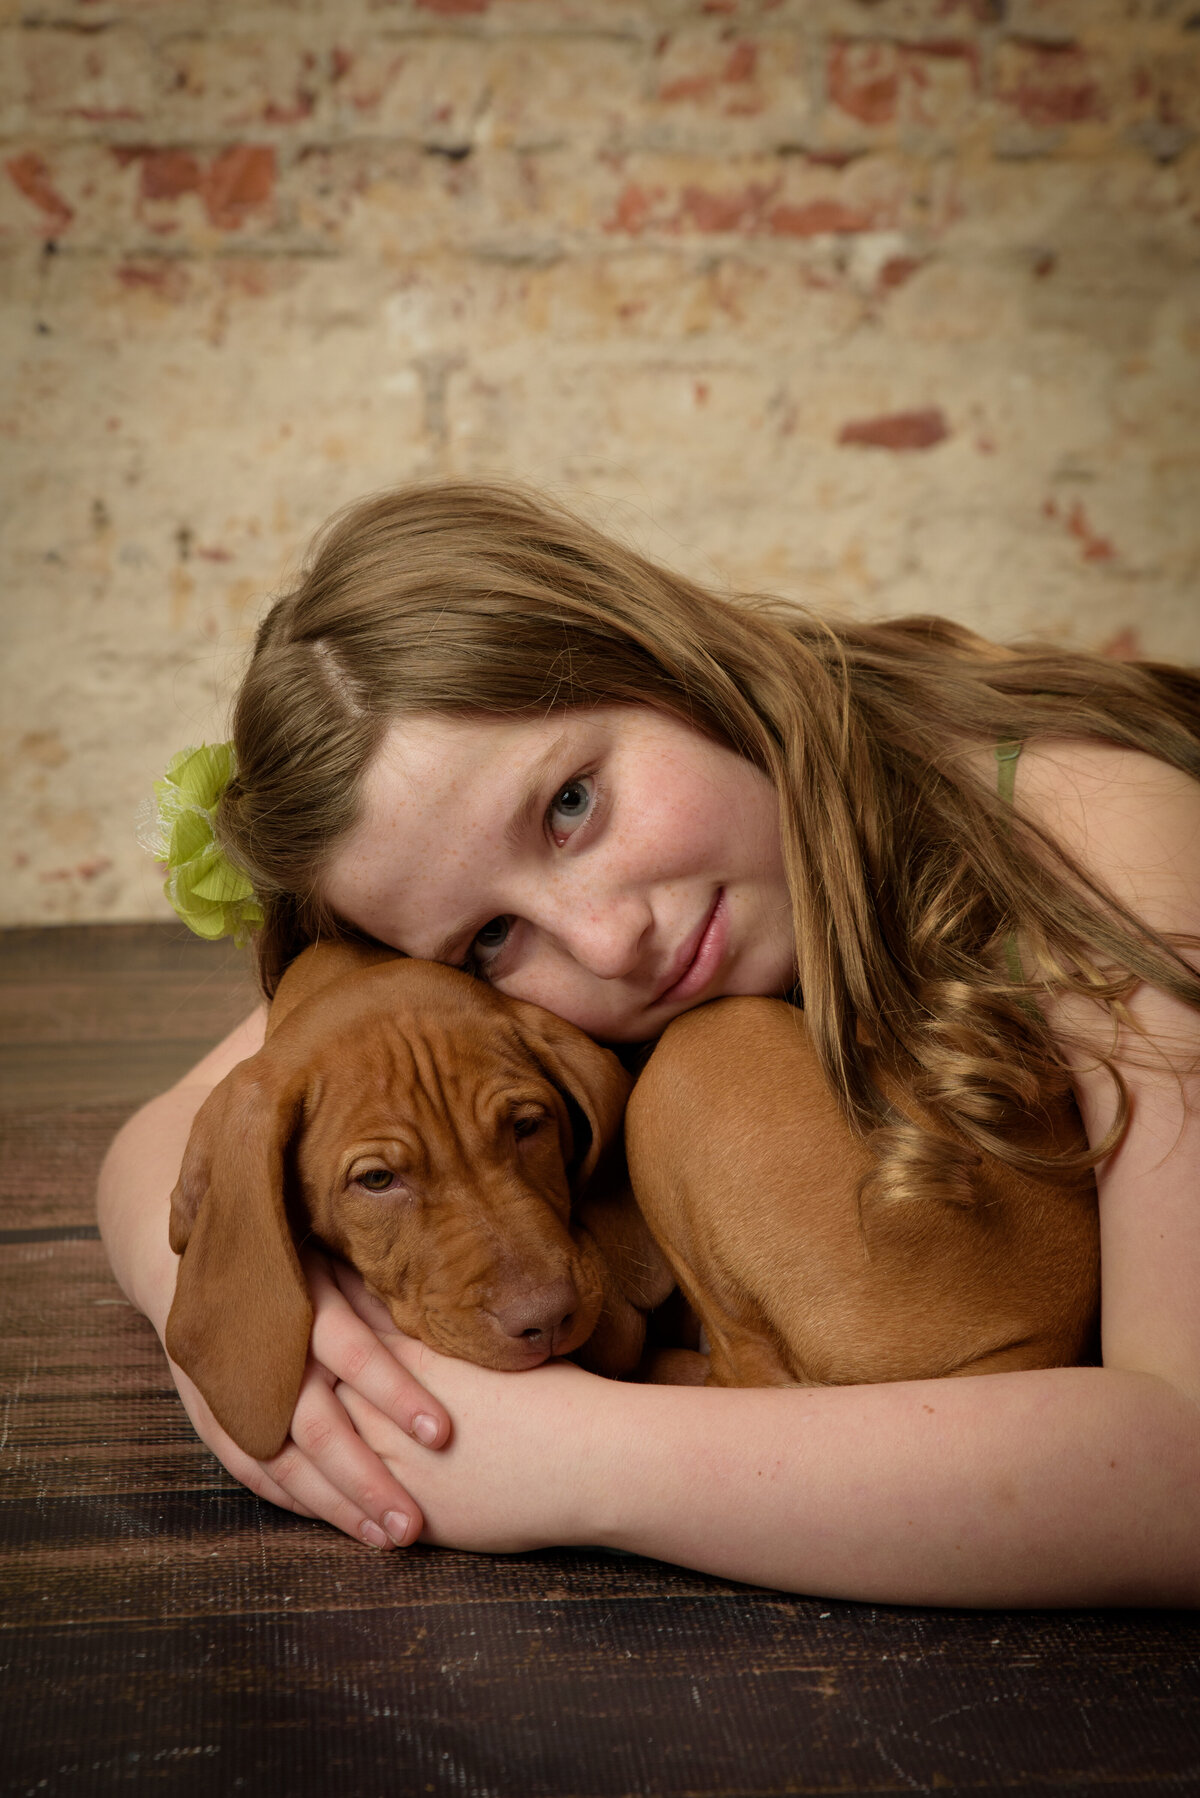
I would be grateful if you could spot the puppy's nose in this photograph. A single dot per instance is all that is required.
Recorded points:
(541, 1315)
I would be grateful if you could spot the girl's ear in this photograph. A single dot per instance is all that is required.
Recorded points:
(590, 1078)
(241, 1317)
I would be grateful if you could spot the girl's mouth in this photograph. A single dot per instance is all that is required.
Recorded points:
(700, 956)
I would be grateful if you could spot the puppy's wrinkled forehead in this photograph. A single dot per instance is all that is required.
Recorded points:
(414, 1035)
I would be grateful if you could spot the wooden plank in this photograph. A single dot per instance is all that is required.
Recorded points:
(162, 1630)
(90, 1074)
(77, 1011)
(116, 952)
(49, 1161)
(722, 1694)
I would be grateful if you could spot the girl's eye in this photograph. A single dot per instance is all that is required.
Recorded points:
(570, 807)
(376, 1179)
(490, 940)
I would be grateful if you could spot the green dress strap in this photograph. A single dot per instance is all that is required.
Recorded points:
(1007, 751)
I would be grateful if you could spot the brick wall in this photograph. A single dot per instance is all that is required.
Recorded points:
(889, 303)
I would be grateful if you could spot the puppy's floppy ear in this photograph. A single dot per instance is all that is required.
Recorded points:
(587, 1075)
(240, 1321)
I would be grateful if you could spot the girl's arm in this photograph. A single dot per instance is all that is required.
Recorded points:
(325, 1469)
(1063, 1487)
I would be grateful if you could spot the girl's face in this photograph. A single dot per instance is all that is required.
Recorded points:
(613, 864)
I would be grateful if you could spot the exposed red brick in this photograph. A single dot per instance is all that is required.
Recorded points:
(1055, 86)
(817, 216)
(740, 210)
(1094, 548)
(241, 180)
(168, 280)
(237, 182)
(864, 80)
(30, 175)
(1125, 646)
(165, 174)
(688, 87)
(897, 270)
(898, 430)
(301, 108)
(742, 63)
(340, 63)
(632, 211)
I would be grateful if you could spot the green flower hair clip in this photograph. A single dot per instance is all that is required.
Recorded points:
(212, 897)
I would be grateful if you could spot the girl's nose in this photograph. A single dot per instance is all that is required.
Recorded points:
(606, 937)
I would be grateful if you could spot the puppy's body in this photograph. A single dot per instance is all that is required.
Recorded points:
(460, 1150)
(748, 1177)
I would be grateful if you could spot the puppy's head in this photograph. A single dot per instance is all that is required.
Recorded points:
(426, 1129)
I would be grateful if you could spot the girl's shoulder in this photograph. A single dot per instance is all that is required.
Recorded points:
(1129, 820)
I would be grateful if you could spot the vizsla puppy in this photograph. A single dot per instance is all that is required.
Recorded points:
(748, 1176)
(449, 1143)
(455, 1146)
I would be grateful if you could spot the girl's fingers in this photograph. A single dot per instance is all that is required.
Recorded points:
(325, 1462)
(349, 1347)
(353, 1289)
(348, 1486)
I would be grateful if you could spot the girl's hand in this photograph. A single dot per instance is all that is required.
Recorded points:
(520, 1472)
(325, 1469)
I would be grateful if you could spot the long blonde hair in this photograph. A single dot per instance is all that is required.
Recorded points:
(908, 874)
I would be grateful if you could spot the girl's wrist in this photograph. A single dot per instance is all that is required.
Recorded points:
(604, 1420)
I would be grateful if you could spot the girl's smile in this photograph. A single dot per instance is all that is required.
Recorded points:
(612, 864)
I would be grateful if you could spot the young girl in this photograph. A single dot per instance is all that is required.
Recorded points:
(480, 731)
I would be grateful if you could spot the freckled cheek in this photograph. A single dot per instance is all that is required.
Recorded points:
(566, 991)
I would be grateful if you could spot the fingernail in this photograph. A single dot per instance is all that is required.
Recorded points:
(397, 1526)
(425, 1429)
(372, 1534)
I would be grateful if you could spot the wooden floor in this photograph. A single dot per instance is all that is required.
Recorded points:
(164, 1632)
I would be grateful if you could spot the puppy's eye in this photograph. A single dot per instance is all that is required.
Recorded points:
(526, 1126)
(375, 1179)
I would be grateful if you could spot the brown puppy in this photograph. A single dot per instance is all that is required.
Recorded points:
(434, 1135)
(748, 1176)
(450, 1144)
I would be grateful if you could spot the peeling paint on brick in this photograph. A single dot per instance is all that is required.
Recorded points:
(237, 182)
(864, 80)
(1055, 85)
(1092, 546)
